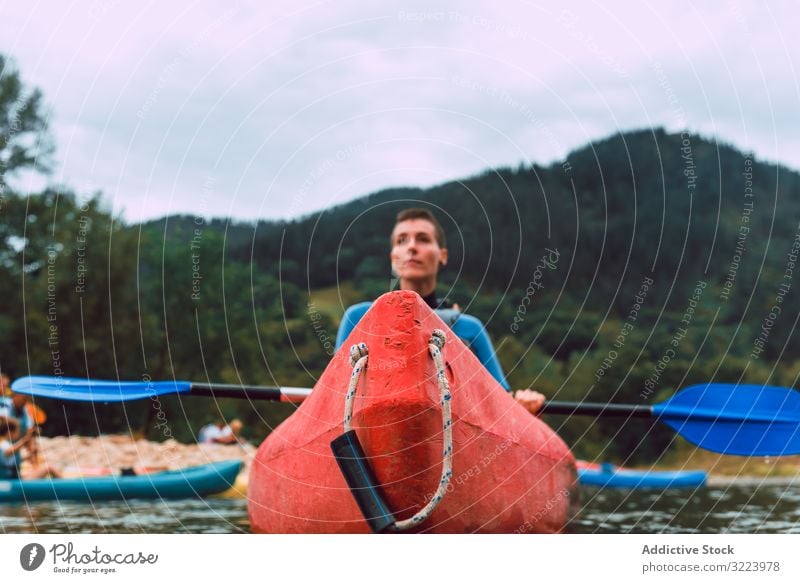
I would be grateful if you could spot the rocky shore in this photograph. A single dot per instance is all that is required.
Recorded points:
(109, 454)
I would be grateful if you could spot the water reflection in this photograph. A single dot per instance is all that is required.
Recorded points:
(136, 516)
(724, 509)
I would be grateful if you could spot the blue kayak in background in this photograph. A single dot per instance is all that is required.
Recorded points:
(191, 482)
(610, 476)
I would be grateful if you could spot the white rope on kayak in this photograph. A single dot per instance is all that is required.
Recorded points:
(358, 360)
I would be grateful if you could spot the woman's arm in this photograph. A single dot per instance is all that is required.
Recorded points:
(19, 444)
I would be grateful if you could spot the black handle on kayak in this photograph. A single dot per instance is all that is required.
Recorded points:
(362, 482)
(597, 409)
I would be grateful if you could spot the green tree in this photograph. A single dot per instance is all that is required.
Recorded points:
(25, 143)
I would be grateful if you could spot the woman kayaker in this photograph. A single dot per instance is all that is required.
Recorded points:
(11, 445)
(418, 251)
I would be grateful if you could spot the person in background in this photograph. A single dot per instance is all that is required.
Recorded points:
(19, 407)
(5, 390)
(221, 432)
(11, 444)
(418, 251)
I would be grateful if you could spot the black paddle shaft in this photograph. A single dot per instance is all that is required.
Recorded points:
(254, 393)
(597, 409)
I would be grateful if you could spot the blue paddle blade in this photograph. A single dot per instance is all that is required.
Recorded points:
(78, 389)
(735, 419)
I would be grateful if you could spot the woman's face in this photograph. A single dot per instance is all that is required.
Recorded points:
(416, 254)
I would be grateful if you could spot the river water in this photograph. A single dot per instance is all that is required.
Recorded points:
(749, 507)
(746, 508)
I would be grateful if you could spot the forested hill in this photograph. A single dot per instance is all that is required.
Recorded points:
(638, 204)
(644, 262)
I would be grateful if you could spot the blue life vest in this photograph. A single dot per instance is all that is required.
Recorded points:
(466, 327)
(25, 422)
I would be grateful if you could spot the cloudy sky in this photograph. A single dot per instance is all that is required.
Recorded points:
(272, 110)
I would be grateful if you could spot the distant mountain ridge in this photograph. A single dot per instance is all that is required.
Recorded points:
(636, 203)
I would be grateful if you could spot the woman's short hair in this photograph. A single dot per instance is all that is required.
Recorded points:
(425, 214)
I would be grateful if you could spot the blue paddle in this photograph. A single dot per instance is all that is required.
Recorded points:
(725, 418)
(101, 391)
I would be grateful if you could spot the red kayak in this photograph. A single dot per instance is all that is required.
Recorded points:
(510, 472)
